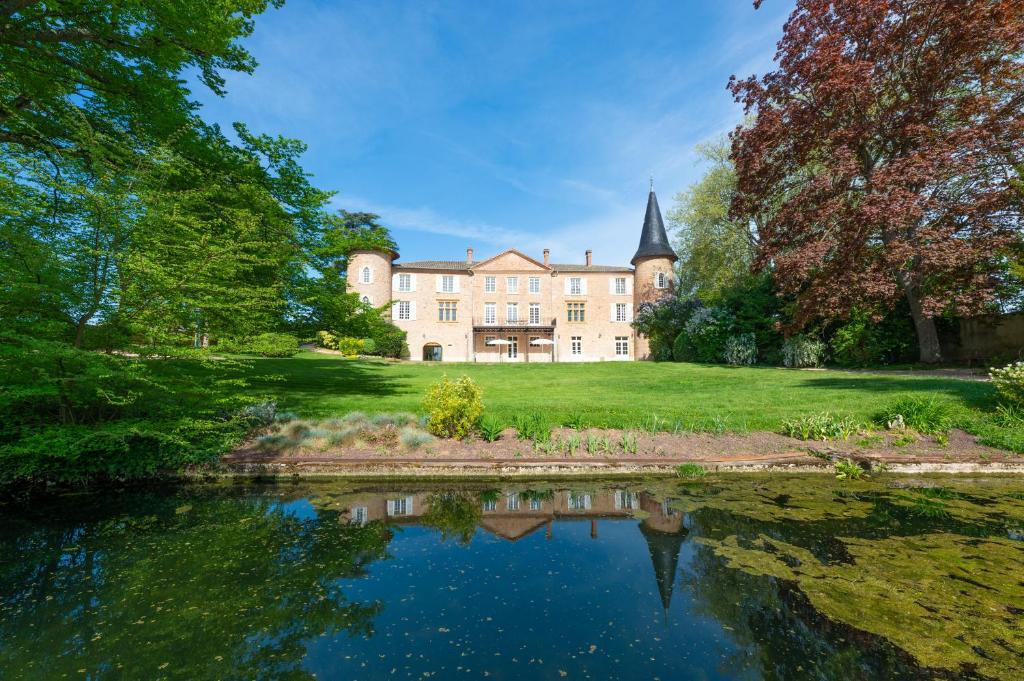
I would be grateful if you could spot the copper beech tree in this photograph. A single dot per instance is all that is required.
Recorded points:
(881, 156)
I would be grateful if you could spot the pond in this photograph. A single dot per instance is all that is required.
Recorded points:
(745, 577)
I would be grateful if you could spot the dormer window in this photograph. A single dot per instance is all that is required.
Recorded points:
(364, 276)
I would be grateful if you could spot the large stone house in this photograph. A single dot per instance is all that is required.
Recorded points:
(513, 308)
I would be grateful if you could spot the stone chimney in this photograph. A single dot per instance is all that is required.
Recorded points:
(590, 257)
(547, 256)
(469, 255)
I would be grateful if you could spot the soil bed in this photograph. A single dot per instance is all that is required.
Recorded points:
(654, 453)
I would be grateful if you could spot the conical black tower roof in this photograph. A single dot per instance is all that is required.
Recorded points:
(664, 548)
(653, 239)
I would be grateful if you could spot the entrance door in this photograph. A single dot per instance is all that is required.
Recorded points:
(513, 347)
(432, 353)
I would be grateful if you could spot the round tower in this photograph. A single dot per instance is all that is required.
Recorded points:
(369, 275)
(653, 273)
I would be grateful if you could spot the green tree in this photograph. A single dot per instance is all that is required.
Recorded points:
(715, 249)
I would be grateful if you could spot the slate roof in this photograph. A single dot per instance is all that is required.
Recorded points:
(463, 266)
(433, 265)
(653, 239)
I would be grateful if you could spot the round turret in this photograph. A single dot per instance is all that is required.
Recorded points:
(369, 275)
(653, 274)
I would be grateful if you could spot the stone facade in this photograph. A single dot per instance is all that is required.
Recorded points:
(513, 308)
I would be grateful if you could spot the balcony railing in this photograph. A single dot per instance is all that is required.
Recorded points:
(513, 323)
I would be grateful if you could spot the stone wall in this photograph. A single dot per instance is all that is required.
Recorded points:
(986, 339)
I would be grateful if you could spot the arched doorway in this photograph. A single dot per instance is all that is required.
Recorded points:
(431, 352)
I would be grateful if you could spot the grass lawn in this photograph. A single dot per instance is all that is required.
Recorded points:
(612, 394)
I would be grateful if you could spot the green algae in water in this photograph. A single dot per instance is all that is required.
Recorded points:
(747, 577)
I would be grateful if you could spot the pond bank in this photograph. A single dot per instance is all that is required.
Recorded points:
(655, 454)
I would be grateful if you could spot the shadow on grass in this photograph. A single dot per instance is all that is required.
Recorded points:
(303, 384)
(972, 393)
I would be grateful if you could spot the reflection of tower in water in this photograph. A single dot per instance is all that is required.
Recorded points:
(664, 532)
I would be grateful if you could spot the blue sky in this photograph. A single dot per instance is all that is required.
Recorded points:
(502, 124)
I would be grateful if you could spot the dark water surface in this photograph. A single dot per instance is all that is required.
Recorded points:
(782, 577)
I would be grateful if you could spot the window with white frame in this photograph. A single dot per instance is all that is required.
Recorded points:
(447, 310)
(512, 284)
(360, 515)
(489, 340)
(576, 345)
(576, 312)
(490, 313)
(620, 286)
(447, 283)
(364, 276)
(512, 312)
(534, 504)
(512, 502)
(575, 286)
(579, 502)
(404, 282)
(622, 346)
(401, 506)
(620, 312)
(660, 280)
(535, 313)
(534, 284)
(626, 501)
(404, 309)
(490, 284)
(490, 505)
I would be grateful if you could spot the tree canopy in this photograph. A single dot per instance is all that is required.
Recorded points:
(883, 151)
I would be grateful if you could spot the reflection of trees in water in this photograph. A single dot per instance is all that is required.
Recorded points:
(221, 588)
(454, 514)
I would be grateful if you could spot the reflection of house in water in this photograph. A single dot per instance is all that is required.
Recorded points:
(515, 515)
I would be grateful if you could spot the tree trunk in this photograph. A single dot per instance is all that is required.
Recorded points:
(927, 334)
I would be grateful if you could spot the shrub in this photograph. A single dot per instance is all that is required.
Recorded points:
(690, 470)
(350, 347)
(491, 428)
(823, 427)
(369, 346)
(924, 414)
(662, 321)
(1009, 381)
(740, 350)
(327, 340)
(803, 351)
(865, 341)
(704, 335)
(266, 345)
(454, 407)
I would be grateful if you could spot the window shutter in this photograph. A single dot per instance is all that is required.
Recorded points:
(391, 506)
(437, 283)
(629, 286)
(611, 308)
(611, 285)
(394, 310)
(455, 283)
(567, 285)
(583, 285)
(394, 282)
(408, 505)
(629, 312)
(412, 282)
(412, 310)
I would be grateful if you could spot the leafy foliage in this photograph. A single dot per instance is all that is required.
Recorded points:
(704, 335)
(866, 340)
(453, 407)
(662, 322)
(264, 345)
(740, 350)
(1009, 381)
(491, 428)
(803, 351)
(928, 415)
(824, 426)
(879, 157)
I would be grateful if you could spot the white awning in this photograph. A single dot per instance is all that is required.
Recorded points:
(498, 341)
(542, 341)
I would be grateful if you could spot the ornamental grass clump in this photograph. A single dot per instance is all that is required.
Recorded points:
(491, 428)
(453, 407)
(414, 438)
(927, 415)
(824, 426)
(802, 352)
